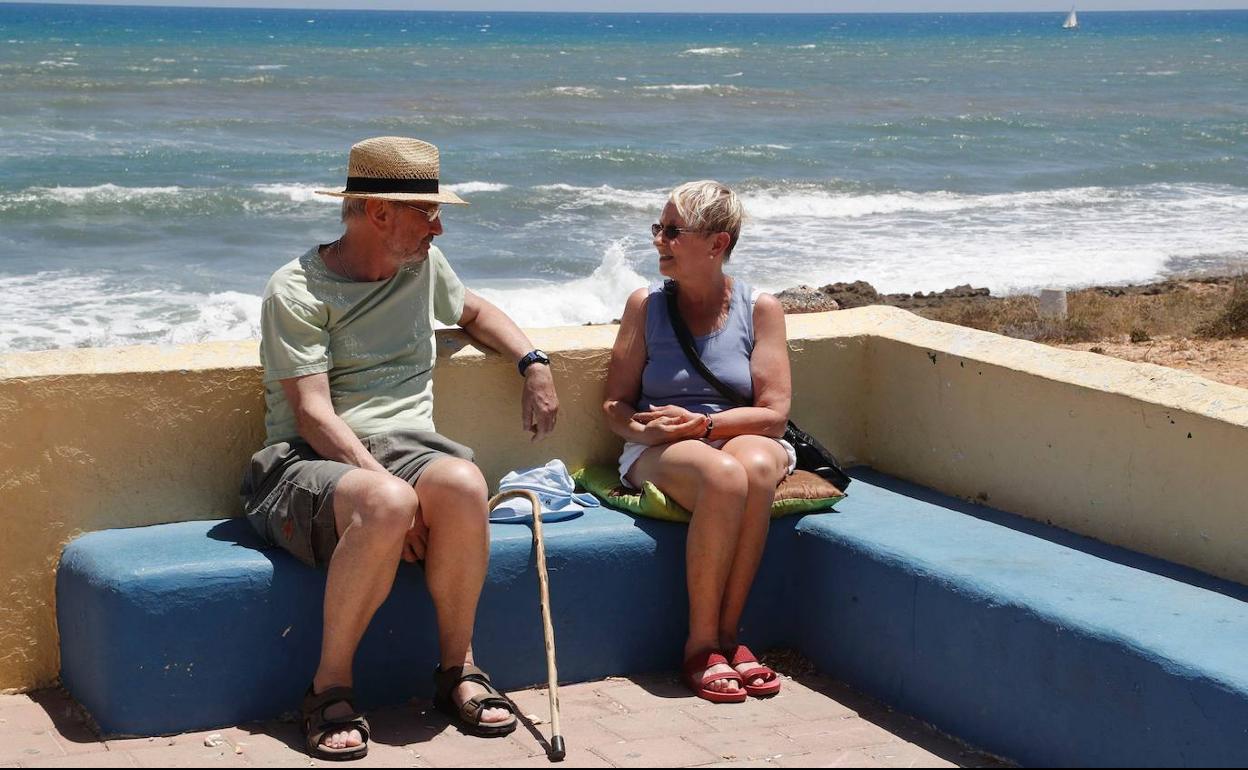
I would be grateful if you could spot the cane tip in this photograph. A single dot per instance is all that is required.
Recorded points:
(557, 750)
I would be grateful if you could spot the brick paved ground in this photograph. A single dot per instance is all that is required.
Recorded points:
(645, 721)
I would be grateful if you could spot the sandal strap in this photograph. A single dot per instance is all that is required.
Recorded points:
(742, 655)
(703, 662)
(473, 707)
(448, 679)
(757, 672)
(318, 724)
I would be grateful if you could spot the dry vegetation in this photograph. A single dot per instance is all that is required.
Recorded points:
(1199, 326)
(1194, 309)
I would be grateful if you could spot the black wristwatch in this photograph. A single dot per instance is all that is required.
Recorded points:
(532, 357)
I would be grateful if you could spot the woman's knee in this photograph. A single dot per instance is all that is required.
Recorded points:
(761, 467)
(724, 474)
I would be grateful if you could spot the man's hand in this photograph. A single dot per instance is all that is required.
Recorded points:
(417, 540)
(539, 404)
(668, 424)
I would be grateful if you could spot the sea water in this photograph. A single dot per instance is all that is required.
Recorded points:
(157, 164)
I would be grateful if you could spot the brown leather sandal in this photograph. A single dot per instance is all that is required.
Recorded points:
(468, 716)
(316, 725)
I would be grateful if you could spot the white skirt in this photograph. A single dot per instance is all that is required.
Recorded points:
(633, 450)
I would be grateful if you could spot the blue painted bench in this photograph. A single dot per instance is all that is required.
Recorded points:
(1024, 640)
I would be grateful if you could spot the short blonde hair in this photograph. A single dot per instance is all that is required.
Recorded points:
(710, 206)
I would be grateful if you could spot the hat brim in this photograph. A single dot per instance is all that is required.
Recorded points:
(438, 197)
(504, 515)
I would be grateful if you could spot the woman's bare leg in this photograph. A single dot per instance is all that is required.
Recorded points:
(713, 486)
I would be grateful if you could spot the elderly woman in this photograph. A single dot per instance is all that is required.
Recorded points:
(720, 461)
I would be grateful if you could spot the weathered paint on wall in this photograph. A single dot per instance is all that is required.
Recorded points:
(94, 439)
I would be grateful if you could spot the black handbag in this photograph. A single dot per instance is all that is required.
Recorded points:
(811, 455)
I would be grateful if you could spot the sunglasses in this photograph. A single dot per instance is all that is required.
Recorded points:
(670, 232)
(430, 214)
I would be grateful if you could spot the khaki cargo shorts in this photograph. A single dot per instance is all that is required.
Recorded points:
(288, 489)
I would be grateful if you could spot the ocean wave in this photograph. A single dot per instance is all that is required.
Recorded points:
(714, 51)
(598, 298)
(788, 203)
(572, 196)
(689, 87)
(583, 92)
(75, 311)
(76, 196)
(297, 193)
(471, 188)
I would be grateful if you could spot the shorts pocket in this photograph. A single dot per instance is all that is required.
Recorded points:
(290, 521)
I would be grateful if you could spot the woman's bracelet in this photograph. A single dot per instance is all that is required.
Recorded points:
(710, 426)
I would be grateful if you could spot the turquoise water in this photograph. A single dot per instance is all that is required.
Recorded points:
(156, 164)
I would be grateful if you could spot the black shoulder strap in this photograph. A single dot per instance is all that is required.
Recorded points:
(685, 337)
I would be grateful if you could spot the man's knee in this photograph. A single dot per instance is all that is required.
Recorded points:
(452, 487)
(384, 506)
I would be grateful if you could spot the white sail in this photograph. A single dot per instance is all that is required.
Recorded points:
(1072, 21)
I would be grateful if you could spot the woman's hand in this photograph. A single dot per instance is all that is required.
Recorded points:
(668, 424)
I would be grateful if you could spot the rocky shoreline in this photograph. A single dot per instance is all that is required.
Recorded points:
(1198, 324)
(844, 296)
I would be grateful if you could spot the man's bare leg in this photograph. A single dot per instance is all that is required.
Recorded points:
(452, 494)
(373, 512)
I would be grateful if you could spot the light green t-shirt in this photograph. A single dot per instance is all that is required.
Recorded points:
(375, 339)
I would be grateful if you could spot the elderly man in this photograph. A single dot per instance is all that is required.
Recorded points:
(353, 476)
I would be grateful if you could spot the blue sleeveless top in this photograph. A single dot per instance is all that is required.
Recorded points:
(669, 378)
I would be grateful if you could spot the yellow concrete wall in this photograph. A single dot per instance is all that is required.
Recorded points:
(94, 439)
(1138, 455)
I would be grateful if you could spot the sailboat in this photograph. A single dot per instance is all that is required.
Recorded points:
(1072, 21)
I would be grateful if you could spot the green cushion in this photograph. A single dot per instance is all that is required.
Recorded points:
(604, 482)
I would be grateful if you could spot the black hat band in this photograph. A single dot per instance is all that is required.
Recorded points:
(368, 184)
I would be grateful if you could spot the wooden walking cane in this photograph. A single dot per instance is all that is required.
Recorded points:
(557, 750)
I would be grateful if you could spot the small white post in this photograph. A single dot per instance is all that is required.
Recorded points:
(1053, 303)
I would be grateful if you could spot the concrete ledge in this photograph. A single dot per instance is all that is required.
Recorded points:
(186, 626)
(95, 439)
(1039, 645)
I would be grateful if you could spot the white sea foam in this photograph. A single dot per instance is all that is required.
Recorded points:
(598, 298)
(716, 51)
(735, 75)
(297, 193)
(688, 87)
(571, 196)
(585, 92)
(73, 196)
(471, 188)
(75, 310)
(262, 67)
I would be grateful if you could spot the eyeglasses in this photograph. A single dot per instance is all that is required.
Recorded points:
(430, 214)
(670, 232)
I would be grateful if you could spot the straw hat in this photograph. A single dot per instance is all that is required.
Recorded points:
(394, 168)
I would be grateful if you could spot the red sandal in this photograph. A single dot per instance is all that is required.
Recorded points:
(703, 661)
(771, 681)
